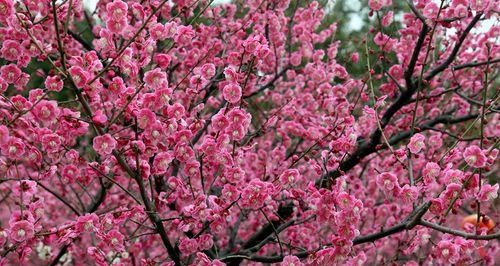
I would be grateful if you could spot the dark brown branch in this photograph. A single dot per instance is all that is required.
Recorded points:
(455, 50)
(463, 234)
(475, 64)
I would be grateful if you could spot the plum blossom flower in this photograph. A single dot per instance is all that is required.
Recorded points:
(475, 157)
(232, 93)
(6, 9)
(289, 176)
(10, 73)
(387, 181)
(104, 144)
(27, 188)
(21, 231)
(79, 76)
(256, 193)
(375, 4)
(51, 142)
(447, 252)
(431, 10)
(408, 194)
(53, 83)
(184, 35)
(116, 10)
(416, 143)
(430, 172)
(488, 192)
(87, 223)
(14, 148)
(145, 118)
(11, 50)
(46, 111)
(188, 246)
(162, 162)
(208, 70)
(115, 240)
(291, 260)
(156, 79)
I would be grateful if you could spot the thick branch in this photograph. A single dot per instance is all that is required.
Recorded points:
(455, 50)
(463, 234)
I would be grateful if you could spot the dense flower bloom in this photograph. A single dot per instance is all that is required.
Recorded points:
(79, 76)
(246, 132)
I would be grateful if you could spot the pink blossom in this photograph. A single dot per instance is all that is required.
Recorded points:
(447, 252)
(430, 172)
(208, 71)
(416, 143)
(408, 194)
(375, 4)
(10, 73)
(163, 60)
(291, 260)
(387, 181)
(431, 10)
(256, 193)
(184, 34)
(116, 26)
(79, 76)
(6, 9)
(26, 188)
(117, 10)
(156, 79)
(488, 192)
(14, 148)
(145, 118)
(475, 157)
(51, 142)
(115, 240)
(21, 231)
(87, 223)
(104, 144)
(188, 246)
(232, 93)
(11, 50)
(46, 111)
(162, 162)
(289, 176)
(396, 71)
(53, 83)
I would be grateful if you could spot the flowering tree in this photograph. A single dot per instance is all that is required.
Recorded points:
(182, 133)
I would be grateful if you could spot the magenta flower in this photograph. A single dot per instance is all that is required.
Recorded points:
(21, 231)
(232, 93)
(416, 143)
(475, 157)
(104, 144)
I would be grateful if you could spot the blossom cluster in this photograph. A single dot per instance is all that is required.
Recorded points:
(186, 133)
